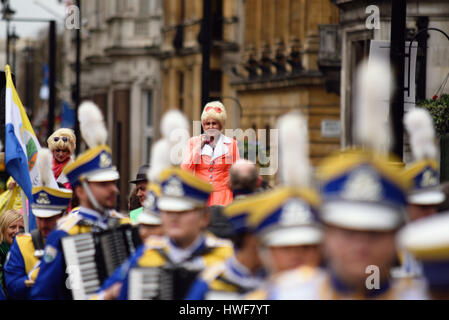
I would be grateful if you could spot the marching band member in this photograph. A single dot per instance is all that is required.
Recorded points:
(364, 200)
(24, 258)
(241, 273)
(286, 222)
(93, 179)
(425, 195)
(185, 248)
(428, 241)
(149, 224)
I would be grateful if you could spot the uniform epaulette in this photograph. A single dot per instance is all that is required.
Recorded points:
(68, 222)
(214, 242)
(125, 220)
(257, 295)
(25, 234)
(155, 242)
(300, 275)
(211, 273)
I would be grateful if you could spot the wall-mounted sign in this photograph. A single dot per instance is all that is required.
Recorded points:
(330, 128)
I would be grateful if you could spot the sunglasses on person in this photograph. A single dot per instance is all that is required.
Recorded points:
(217, 109)
(65, 139)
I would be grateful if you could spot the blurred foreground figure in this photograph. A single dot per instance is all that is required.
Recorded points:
(243, 181)
(149, 220)
(428, 240)
(149, 224)
(165, 267)
(426, 195)
(241, 273)
(285, 220)
(364, 199)
(24, 259)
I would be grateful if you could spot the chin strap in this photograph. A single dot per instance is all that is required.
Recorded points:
(92, 199)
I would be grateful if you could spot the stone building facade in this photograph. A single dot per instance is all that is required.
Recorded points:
(278, 70)
(431, 65)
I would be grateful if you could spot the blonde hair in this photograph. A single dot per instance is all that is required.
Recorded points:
(213, 114)
(6, 219)
(70, 144)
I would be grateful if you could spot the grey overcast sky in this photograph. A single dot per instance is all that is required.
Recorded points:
(43, 9)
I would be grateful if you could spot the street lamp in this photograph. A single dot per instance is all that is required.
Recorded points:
(7, 14)
(13, 38)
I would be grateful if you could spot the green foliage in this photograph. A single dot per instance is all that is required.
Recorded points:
(249, 150)
(439, 110)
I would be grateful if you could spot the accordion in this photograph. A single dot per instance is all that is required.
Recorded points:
(92, 257)
(160, 283)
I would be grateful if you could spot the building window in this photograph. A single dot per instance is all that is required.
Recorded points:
(148, 124)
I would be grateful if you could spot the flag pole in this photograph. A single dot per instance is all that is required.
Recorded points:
(25, 211)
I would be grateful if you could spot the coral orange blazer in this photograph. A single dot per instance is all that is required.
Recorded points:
(212, 165)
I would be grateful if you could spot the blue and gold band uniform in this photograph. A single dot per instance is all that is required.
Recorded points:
(427, 240)
(180, 191)
(93, 165)
(231, 279)
(149, 216)
(287, 216)
(361, 191)
(24, 259)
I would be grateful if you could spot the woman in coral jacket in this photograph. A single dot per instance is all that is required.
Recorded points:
(210, 155)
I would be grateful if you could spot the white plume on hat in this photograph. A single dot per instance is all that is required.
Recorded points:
(294, 150)
(419, 125)
(374, 81)
(44, 163)
(92, 126)
(170, 149)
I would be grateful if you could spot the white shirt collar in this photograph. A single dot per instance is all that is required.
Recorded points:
(220, 149)
(178, 255)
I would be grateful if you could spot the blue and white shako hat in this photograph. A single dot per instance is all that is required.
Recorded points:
(427, 240)
(180, 190)
(150, 214)
(48, 200)
(239, 211)
(95, 164)
(287, 216)
(424, 171)
(362, 188)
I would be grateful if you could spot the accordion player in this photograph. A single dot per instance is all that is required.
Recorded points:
(160, 283)
(92, 257)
